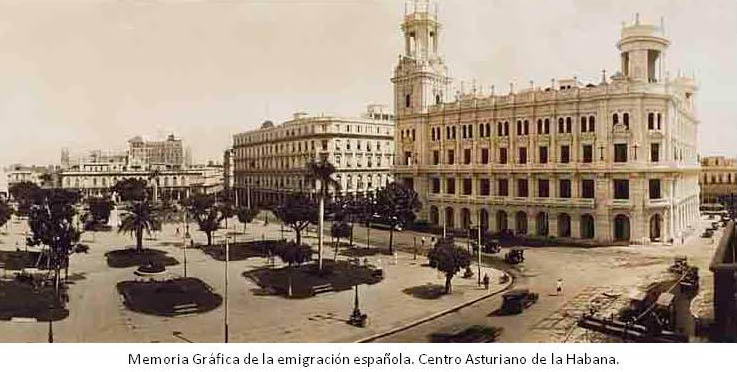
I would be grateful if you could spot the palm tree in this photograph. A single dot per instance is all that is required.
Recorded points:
(322, 171)
(139, 216)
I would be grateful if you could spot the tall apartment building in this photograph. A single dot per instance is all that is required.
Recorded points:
(271, 161)
(718, 179)
(168, 152)
(611, 161)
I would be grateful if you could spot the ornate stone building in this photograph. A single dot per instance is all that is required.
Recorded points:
(271, 161)
(611, 161)
(718, 179)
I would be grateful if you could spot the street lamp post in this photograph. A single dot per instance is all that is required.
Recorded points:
(51, 324)
(227, 259)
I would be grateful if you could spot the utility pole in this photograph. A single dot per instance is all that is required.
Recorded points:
(225, 303)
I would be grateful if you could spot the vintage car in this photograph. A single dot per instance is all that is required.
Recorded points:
(514, 256)
(490, 247)
(516, 300)
(708, 233)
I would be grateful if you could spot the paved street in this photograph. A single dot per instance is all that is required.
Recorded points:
(587, 274)
(98, 315)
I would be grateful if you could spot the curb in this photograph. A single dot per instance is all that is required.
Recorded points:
(437, 315)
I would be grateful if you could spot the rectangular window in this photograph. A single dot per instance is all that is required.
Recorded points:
(467, 186)
(543, 188)
(565, 189)
(621, 189)
(565, 154)
(484, 187)
(484, 156)
(450, 186)
(503, 155)
(503, 187)
(587, 189)
(523, 155)
(324, 144)
(543, 154)
(435, 157)
(620, 153)
(451, 157)
(466, 156)
(655, 152)
(436, 185)
(588, 153)
(523, 190)
(655, 189)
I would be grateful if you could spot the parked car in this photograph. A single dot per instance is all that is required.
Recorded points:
(707, 234)
(514, 256)
(490, 247)
(516, 300)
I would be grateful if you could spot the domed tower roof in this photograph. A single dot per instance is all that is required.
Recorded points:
(267, 124)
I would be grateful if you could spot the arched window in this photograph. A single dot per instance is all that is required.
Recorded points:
(659, 119)
(481, 129)
(584, 128)
(539, 126)
(407, 100)
(506, 128)
(527, 127)
(568, 124)
(626, 120)
(519, 127)
(651, 121)
(488, 129)
(547, 126)
(615, 119)
(437, 99)
(592, 123)
(560, 125)
(499, 129)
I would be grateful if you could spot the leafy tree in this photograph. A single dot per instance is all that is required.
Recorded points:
(448, 259)
(209, 213)
(46, 180)
(139, 216)
(24, 193)
(99, 211)
(51, 219)
(293, 253)
(297, 211)
(322, 171)
(6, 211)
(246, 215)
(396, 204)
(339, 230)
(130, 189)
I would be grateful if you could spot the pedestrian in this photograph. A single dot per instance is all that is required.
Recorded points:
(559, 287)
(486, 281)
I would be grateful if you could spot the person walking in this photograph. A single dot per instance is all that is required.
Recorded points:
(559, 287)
(486, 281)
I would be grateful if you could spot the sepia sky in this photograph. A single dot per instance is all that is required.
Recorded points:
(92, 74)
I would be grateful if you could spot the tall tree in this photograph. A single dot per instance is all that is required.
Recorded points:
(448, 259)
(339, 230)
(209, 213)
(139, 216)
(6, 212)
(297, 211)
(99, 211)
(397, 204)
(246, 215)
(24, 193)
(322, 172)
(51, 219)
(130, 189)
(293, 253)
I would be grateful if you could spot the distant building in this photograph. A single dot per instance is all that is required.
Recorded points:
(41, 176)
(168, 152)
(718, 179)
(159, 162)
(271, 162)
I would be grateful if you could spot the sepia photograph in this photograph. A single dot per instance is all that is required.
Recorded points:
(368, 171)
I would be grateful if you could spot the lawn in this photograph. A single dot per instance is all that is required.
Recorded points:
(124, 258)
(29, 300)
(17, 260)
(339, 275)
(242, 251)
(169, 298)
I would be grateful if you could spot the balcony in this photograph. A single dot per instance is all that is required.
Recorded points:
(657, 203)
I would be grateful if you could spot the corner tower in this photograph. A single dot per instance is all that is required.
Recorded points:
(643, 49)
(420, 78)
